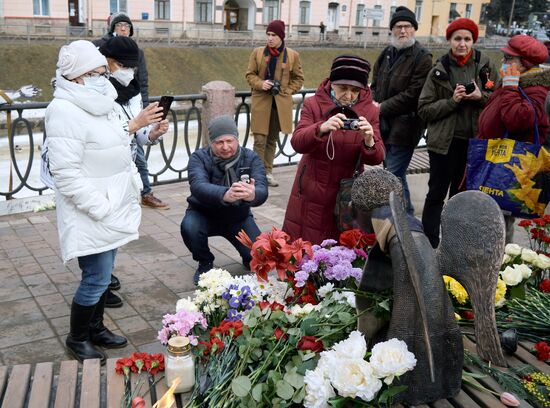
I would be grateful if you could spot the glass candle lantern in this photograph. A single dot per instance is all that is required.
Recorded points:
(180, 363)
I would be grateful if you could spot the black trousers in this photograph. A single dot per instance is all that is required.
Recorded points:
(447, 173)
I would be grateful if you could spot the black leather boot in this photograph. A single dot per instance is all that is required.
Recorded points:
(78, 341)
(99, 334)
(113, 300)
(115, 283)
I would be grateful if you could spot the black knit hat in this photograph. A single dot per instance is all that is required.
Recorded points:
(350, 70)
(122, 49)
(120, 18)
(402, 13)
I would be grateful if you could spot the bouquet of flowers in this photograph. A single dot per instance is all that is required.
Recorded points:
(538, 231)
(522, 264)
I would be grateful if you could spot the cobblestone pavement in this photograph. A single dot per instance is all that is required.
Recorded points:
(155, 271)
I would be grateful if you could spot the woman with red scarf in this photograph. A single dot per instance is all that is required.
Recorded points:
(451, 100)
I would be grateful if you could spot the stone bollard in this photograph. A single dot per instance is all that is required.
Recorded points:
(220, 100)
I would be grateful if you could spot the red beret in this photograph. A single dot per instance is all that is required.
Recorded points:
(463, 24)
(277, 27)
(531, 50)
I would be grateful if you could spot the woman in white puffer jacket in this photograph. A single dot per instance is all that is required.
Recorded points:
(97, 187)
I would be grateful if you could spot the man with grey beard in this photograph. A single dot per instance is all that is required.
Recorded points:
(398, 76)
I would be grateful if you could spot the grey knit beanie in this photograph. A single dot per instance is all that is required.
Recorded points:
(222, 126)
(372, 188)
(120, 17)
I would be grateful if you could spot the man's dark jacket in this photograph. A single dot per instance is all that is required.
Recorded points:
(397, 87)
(142, 75)
(207, 184)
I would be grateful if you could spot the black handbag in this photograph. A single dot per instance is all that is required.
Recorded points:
(342, 209)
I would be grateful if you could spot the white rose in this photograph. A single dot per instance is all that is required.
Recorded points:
(527, 255)
(353, 347)
(318, 390)
(506, 258)
(186, 304)
(390, 359)
(512, 249)
(542, 262)
(511, 276)
(354, 378)
(525, 270)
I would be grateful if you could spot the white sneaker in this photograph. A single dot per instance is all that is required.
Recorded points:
(271, 182)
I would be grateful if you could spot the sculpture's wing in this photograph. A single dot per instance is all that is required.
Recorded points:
(412, 258)
(471, 251)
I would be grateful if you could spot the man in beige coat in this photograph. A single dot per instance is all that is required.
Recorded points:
(274, 73)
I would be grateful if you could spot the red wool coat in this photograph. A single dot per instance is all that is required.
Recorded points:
(507, 109)
(310, 211)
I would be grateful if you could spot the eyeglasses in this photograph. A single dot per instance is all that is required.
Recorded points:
(507, 57)
(94, 74)
(399, 27)
(123, 25)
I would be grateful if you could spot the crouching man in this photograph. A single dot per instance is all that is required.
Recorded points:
(226, 180)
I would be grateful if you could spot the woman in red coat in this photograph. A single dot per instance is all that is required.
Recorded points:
(330, 151)
(507, 110)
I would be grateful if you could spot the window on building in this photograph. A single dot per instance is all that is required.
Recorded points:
(162, 9)
(392, 11)
(359, 17)
(304, 12)
(452, 12)
(270, 11)
(468, 13)
(376, 22)
(116, 6)
(418, 10)
(41, 7)
(203, 11)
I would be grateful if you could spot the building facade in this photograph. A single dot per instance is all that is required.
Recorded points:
(344, 19)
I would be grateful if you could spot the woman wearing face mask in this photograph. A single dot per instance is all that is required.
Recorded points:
(96, 185)
(123, 58)
(451, 100)
(330, 149)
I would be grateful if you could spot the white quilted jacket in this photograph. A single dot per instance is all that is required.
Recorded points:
(96, 182)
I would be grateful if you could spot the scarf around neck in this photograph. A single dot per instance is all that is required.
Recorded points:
(462, 60)
(227, 166)
(271, 56)
(125, 93)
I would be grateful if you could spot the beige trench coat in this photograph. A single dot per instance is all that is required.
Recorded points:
(291, 78)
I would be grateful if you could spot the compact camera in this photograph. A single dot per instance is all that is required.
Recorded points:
(470, 87)
(275, 88)
(350, 124)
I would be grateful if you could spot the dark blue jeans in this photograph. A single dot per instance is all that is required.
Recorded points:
(141, 164)
(96, 276)
(196, 228)
(396, 162)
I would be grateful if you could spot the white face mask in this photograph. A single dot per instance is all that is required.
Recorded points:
(97, 83)
(124, 75)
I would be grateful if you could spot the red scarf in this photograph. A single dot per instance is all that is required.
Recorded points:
(463, 60)
(274, 52)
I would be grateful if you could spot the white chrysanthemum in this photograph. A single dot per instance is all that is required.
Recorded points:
(390, 359)
(354, 378)
(528, 255)
(318, 390)
(186, 304)
(511, 276)
(542, 262)
(354, 347)
(512, 249)
(344, 297)
(506, 258)
(325, 290)
(215, 279)
(525, 270)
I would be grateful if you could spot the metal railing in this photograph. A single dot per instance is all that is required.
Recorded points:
(20, 156)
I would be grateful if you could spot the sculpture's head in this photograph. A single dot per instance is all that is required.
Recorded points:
(371, 190)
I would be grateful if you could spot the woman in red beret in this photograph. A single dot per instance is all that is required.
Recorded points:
(451, 100)
(510, 114)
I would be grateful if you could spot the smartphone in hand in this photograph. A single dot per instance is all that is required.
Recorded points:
(244, 174)
(165, 103)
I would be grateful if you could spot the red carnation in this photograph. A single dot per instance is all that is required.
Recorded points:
(155, 363)
(525, 223)
(543, 350)
(310, 343)
(468, 314)
(121, 363)
(545, 285)
(217, 345)
(278, 333)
